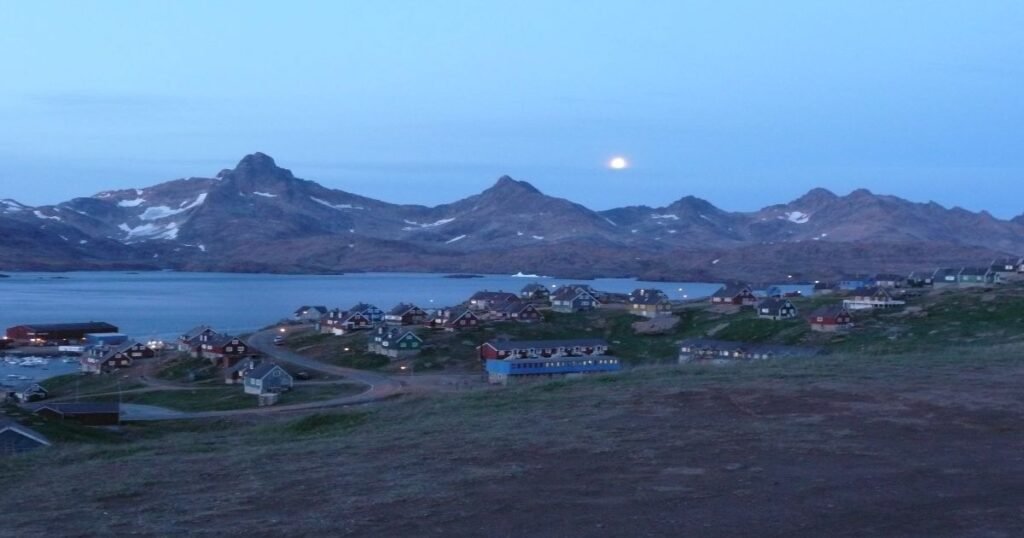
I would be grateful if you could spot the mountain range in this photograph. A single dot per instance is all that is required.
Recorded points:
(260, 217)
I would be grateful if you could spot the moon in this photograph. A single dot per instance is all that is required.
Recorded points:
(618, 163)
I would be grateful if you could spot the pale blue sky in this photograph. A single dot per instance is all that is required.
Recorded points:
(743, 103)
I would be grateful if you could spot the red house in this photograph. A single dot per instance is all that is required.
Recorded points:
(530, 349)
(734, 294)
(102, 359)
(517, 311)
(224, 350)
(831, 318)
(453, 319)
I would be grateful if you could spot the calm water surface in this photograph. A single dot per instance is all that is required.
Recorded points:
(165, 304)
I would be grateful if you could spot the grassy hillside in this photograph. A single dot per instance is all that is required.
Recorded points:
(936, 320)
(799, 446)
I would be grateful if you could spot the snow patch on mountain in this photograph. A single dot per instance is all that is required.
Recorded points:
(798, 217)
(334, 206)
(265, 194)
(39, 214)
(538, 237)
(162, 211)
(413, 225)
(454, 239)
(610, 221)
(131, 203)
(149, 231)
(670, 216)
(12, 206)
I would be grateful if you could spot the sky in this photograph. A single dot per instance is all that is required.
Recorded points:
(745, 104)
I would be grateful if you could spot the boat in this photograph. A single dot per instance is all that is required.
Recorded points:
(520, 274)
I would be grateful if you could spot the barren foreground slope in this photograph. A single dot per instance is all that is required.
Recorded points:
(842, 446)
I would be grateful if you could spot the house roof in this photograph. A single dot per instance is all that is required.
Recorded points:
(402, 309)
(397, 334)
(648, 299)
(221, 340)
(944, 272)
(829, 311)
(306, 308)
(888, 277)
(515, 307)
(263, 369)
(731, 290)
(195, 332)
(774, 304)
(493, 296)
(459, 311)
(974, 271)
(81, 408)
(362, 308)
(242, 365)
(10, 425)
(869, 291)
(533, 288)
(1000, 264)
(25, 387)
(508, 345)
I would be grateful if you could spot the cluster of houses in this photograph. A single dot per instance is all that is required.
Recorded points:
(237, 362)
(393, 333)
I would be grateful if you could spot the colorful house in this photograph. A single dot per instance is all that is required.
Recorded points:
(394, 342)
(406, 314)
(868, 298)
(483, 301)
(454, 319)
(535, 292)
(734, 294)
(776, 309)
(519, 311)
(574, 298)
(830, 318)
(309, 313)
(267, 378)
(650, 303)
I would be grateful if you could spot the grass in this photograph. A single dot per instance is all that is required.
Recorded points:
(425, 453)
(84, 385)
(326, 423)
(229, 397)
(185, 368)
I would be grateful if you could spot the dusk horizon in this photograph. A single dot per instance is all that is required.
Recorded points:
(736, 103)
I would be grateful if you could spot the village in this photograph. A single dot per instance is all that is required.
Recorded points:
(321, 357)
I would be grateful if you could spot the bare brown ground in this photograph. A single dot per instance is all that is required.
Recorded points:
(869, 451)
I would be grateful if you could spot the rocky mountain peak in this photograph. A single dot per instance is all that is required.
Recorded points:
(258, 166)
(508, 185)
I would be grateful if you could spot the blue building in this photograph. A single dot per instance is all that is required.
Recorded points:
(505, 371)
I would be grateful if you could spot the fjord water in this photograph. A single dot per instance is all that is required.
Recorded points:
(165, 304)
